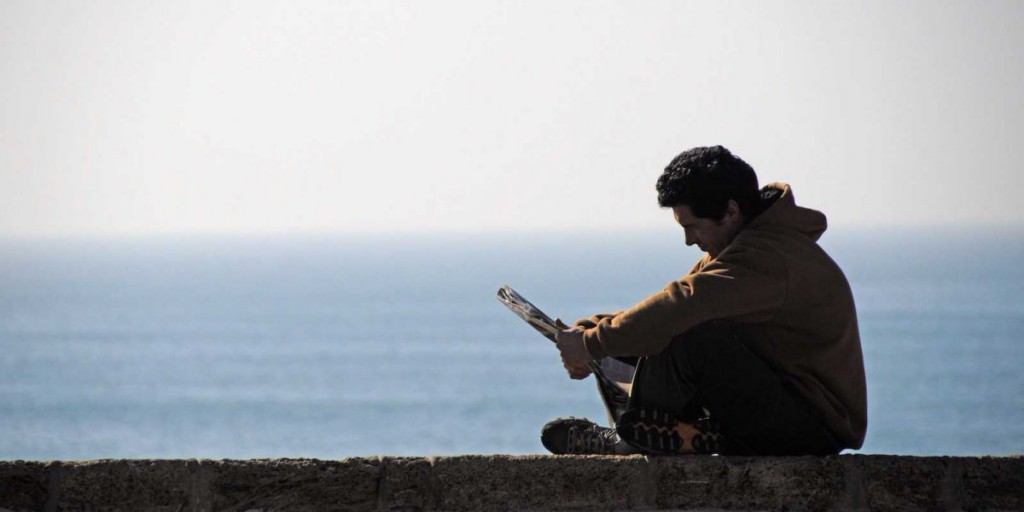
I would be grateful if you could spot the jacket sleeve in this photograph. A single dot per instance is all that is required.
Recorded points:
(744, 284)
(588, 323)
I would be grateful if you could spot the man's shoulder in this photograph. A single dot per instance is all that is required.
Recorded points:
(750, 251)
(755, 241)
(794, 249)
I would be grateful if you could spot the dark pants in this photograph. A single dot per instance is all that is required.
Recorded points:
(709, 367)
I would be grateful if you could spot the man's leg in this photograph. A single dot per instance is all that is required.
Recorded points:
(709, 367)
(581, 436)
(614, 396)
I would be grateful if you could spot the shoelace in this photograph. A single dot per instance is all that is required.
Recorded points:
(592, 439)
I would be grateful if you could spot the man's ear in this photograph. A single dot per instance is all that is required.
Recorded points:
(733, 213)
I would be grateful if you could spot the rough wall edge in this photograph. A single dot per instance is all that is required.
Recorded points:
(866, 479)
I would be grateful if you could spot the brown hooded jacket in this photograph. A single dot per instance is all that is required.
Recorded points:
(793, 301)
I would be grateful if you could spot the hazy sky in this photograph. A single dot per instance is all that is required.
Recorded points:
(120, 117)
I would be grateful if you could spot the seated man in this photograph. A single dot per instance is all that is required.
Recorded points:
(756, 351)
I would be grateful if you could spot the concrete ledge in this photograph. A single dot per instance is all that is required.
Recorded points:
(500, 482)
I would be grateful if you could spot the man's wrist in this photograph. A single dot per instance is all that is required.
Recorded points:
(593, 344)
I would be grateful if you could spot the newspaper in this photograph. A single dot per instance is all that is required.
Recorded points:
(527, 311)
(613, 375)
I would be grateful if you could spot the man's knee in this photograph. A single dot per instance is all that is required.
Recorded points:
(705, 341)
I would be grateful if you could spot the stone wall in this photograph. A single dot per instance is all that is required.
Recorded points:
(500, 482)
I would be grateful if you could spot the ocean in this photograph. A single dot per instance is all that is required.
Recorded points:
(354, 345)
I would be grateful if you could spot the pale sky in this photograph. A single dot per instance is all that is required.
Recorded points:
(129, 117)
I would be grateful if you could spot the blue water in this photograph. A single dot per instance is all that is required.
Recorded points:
(375, 345)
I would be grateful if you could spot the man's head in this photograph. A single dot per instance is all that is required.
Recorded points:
(712, 195)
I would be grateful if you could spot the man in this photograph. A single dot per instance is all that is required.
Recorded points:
(755, 351)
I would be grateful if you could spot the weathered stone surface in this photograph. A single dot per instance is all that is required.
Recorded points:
(143, 485)
(689, 482)
(540, 482)
(904, 483)
(23, 485)
(295, 484)
(501, 482)
(409, 484)
(993, 483)
(761, 483)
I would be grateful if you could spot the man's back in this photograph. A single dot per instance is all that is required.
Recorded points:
(812, 339)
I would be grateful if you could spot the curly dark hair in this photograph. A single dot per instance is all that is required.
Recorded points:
(705, 179)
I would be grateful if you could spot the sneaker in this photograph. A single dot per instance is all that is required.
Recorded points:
(581, 436)
(660, 433)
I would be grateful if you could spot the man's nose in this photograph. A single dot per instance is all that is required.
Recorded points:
(689, 239)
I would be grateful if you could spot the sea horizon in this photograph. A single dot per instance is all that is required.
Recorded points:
(340, 345)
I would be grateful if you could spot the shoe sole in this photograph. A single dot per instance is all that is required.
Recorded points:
(660, 433)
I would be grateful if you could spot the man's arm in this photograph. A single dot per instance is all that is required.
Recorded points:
(590, 323)
(587, 323)
(746, 284)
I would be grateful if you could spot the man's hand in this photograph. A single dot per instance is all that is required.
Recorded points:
(575, 357)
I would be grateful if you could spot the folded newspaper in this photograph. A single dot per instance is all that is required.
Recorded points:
(608, 369)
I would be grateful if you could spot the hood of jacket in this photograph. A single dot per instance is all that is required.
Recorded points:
(779, 211)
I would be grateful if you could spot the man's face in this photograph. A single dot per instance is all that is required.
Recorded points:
(710, 235)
